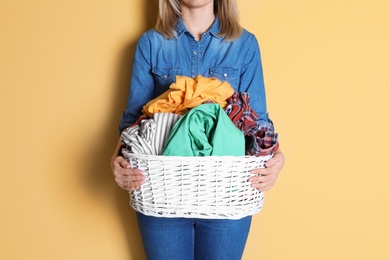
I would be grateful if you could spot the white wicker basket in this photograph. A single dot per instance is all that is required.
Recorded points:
(214, 187)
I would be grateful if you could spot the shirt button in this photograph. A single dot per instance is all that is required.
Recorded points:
(194, 53)
(165, 76)
(225, 75)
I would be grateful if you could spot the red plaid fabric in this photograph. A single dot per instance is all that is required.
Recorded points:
(260, 140)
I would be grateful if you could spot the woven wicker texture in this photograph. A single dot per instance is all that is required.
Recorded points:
(214, 187)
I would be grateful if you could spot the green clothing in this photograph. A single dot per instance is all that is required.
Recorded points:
(203, 131)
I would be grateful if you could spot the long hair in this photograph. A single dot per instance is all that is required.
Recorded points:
(225, 10)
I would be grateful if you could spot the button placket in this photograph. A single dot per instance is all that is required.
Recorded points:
(201, 45)
(193, 56)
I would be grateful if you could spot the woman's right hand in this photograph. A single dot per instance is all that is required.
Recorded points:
(126, 178)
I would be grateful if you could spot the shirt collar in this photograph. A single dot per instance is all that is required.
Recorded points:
(213, 30)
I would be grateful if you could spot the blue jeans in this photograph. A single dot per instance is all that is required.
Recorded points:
(187, 238)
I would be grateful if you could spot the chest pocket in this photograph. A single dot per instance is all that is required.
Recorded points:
(229, 74)
(163, 78)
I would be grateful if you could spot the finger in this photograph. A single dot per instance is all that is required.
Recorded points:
(135, 180)
(133, 177)
(119, 171)
(265, 170)
(278, 158)
(271, 162)
(262, 181)
(257, 179)
(130, 186)
(129, 172)
(262, 186)
(135, 185)
(122, 183)
(125, 185)
(262, 171)
(125, 164)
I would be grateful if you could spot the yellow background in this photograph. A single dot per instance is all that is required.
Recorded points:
(64, 69)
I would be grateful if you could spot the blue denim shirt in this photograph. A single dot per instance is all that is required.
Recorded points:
(157, 61)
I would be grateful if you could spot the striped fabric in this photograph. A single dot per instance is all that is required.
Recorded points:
(149, 135)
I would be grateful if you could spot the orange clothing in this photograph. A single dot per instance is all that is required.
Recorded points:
(187, 93)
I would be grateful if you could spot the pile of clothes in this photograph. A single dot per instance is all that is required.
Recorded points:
(199, 117)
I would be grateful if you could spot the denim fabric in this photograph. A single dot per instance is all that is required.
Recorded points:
(188, 239)
(157, 61)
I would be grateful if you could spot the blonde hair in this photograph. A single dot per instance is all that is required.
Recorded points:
(225, 10)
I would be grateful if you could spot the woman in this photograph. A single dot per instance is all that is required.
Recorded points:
(195, 37)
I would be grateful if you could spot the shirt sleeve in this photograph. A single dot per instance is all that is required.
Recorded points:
(142, 85)
(252, 81)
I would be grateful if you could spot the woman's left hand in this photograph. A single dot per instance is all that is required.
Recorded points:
(267, 176)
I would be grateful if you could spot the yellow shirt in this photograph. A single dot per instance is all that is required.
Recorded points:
(187, 93)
